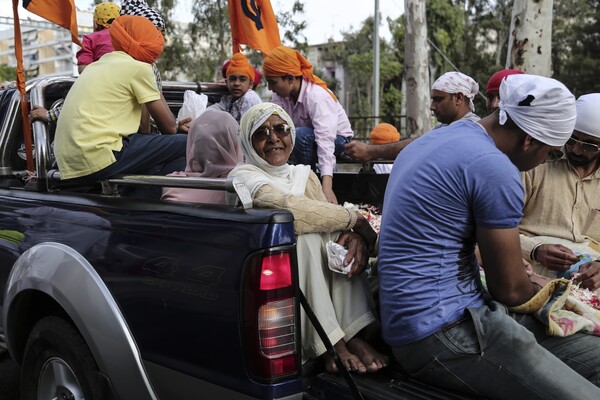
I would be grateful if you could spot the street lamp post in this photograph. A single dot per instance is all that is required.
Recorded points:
(376, 63)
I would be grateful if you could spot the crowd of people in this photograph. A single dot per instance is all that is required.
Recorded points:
(513, 195)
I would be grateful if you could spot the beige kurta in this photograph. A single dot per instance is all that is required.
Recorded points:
(343, 306)
(558, 204)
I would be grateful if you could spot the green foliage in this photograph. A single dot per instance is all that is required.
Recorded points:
(291, 29)
(7, 73)
(446, 28)
(355, 53)
(210, 38)
(576, 49)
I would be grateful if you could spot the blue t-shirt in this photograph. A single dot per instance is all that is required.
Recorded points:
(442, 187)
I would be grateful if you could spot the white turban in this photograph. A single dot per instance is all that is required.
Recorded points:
(456, 82)
(543, 107)
(588, 114)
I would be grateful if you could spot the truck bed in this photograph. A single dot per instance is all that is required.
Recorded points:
(389, 383)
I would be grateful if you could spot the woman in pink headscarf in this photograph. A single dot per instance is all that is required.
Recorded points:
(212, 151)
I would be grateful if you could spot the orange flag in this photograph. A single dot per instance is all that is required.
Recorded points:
(61, 12)
(253, 23)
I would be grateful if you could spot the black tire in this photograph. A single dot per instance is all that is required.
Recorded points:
(57, 364)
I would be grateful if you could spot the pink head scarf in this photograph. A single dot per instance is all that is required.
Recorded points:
(213, 150)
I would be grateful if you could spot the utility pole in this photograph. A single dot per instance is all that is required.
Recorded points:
(376, 63)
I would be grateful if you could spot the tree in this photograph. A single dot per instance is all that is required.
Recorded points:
(576, 45)
(7, 73)
(492, 18)
(355, 54)
(445, 27)
(210, 37)
(531, 37)
(291, 28)
(416, 64)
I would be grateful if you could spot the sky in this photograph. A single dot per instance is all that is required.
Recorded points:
(326, 18)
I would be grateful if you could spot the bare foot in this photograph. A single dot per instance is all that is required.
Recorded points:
(371, 358)
(350, 361)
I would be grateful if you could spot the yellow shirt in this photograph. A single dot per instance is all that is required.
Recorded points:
(103, 106)
(558, 204)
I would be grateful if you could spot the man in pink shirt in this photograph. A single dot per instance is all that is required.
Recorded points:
(322, 126)
(98, 43)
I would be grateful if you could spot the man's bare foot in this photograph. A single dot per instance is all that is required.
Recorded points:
(350, 361)
(371, 358)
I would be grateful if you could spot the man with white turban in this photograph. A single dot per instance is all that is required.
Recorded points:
(451, 100)
(452, 97)
(451, 189)
(562, 204)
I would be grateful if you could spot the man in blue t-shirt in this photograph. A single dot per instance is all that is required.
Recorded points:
(453, 188)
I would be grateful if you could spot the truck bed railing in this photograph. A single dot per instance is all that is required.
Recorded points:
(233, 185)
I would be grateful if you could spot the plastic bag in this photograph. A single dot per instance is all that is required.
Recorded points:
(573, 269)
(335, 258)
(193, 105)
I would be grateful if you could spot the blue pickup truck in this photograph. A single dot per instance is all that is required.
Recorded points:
(108, 298)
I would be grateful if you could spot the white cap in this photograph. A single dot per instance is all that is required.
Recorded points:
(457, 82)
(543, 107)
(588, 114)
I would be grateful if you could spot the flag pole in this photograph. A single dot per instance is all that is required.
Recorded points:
(21, 87)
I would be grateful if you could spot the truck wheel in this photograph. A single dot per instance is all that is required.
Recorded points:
(57, 364)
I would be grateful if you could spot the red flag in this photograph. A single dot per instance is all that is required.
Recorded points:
(61, 12)
(253, 23)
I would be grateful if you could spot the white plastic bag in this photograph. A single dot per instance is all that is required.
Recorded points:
(335, 258)
(193, 105)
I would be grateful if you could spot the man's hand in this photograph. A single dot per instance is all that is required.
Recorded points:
(555, 257)
(358, 151)
(38, 113)
(357, 250)
(364, 229)
(588, 275)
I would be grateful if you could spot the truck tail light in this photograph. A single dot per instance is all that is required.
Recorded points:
(276, 328)
(276, 272)
(271, 317)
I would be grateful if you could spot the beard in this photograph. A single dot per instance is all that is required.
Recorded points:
(582, 160)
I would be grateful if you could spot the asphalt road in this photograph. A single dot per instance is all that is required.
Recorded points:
(9, 377)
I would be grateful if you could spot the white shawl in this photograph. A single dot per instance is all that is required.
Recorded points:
(290, 179)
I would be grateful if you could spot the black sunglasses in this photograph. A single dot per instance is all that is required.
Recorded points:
(589, 147)
(263, 133)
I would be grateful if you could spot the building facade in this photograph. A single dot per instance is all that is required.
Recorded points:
(47, 48)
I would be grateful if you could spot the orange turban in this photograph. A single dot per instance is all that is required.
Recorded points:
(138, 37)
(239, 65)
(384, 133)
(284, 61)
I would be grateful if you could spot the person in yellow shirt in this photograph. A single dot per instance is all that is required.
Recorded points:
(96, 133)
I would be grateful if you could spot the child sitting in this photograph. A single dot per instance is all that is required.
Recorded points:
(239, 79)
(98, 43)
